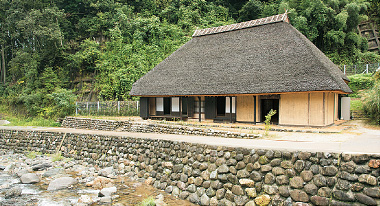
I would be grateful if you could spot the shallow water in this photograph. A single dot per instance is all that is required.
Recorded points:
(35, 194)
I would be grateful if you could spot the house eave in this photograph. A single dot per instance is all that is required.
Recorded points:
(250, 94)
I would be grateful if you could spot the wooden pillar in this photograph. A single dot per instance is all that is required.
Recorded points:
(200, 109)
(180, 108)
(254, 111)
(230, 109)
(235, 109)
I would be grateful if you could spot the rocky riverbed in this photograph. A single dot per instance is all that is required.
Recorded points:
(35, 179)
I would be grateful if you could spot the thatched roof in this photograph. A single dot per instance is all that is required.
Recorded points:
(267, 57)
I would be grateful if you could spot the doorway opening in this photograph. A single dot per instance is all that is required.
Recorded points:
(167, 105)
(266, 106)
(184, 105)
(221, 106)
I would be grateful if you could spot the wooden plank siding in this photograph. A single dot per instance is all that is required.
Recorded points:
(245, 109)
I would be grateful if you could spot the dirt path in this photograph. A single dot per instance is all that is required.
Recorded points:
(358, 139)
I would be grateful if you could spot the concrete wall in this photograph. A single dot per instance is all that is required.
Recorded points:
(219, 175)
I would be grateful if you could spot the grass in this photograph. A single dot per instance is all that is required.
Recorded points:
(56, 157)
(356, 105)
(148, 202)
(33, 154)
(25, 121)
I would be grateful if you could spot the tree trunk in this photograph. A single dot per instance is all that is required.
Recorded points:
(3, 62)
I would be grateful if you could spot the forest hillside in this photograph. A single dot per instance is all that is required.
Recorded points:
(55, 52)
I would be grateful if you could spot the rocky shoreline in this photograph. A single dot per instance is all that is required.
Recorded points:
(33, 179)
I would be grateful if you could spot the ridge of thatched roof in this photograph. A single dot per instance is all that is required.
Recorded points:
(270, 58)
(242, 25)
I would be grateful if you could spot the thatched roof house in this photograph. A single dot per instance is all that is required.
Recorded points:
(261, 64)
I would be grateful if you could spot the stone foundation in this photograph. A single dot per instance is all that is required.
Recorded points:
(211, 175)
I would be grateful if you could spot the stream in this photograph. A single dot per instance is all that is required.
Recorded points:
(90, 180)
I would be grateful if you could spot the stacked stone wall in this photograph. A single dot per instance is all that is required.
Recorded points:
(218, 175)
(170, 128)
(147, 127)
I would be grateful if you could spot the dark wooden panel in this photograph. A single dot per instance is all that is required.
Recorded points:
(210, 107)
(190, 106)
(144, 107)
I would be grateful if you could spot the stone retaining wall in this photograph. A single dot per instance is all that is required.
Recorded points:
(171, 128)
(211, 175)
(147, 127)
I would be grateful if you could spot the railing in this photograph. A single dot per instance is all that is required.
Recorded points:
(359, 68)
(111, 108)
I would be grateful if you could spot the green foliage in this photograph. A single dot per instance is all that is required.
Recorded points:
(251, 10)
(148, 202)
(57, 157)
(33, 154)
(371, 103)
(49, 45)
(268, 118)
(356, 105)
(360, 82)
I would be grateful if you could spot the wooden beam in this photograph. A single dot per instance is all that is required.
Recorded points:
(180, 108)
(254, 111)
(230, 109)
(200, 109)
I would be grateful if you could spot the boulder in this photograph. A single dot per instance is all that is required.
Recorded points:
(109, 191)
(52, 172)
(29, 178)
(61, 183)
(299, 196)
(41, 166)
(107, 172)
(365, 199)
(205, 200)
(262, 200)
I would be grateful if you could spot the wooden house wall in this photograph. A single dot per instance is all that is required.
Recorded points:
(316, 112)
(245, 109)
(308, 109)
(330, 108)
(294, 109)
(336, 107)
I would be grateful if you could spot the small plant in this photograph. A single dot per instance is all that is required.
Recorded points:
(268, 117)
(33, 154)
(148, 202)
(56, 157)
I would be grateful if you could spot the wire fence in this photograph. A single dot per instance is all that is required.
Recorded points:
(360, 68)
(111, 108)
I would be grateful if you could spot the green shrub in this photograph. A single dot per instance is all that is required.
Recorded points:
(356, 105)
(148, 202)
(371, 103)
(360, 82)
(268, 118)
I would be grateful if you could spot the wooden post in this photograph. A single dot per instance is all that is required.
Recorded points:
(200, 109)
(180, 108)
(230, 109)
(254, 111)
